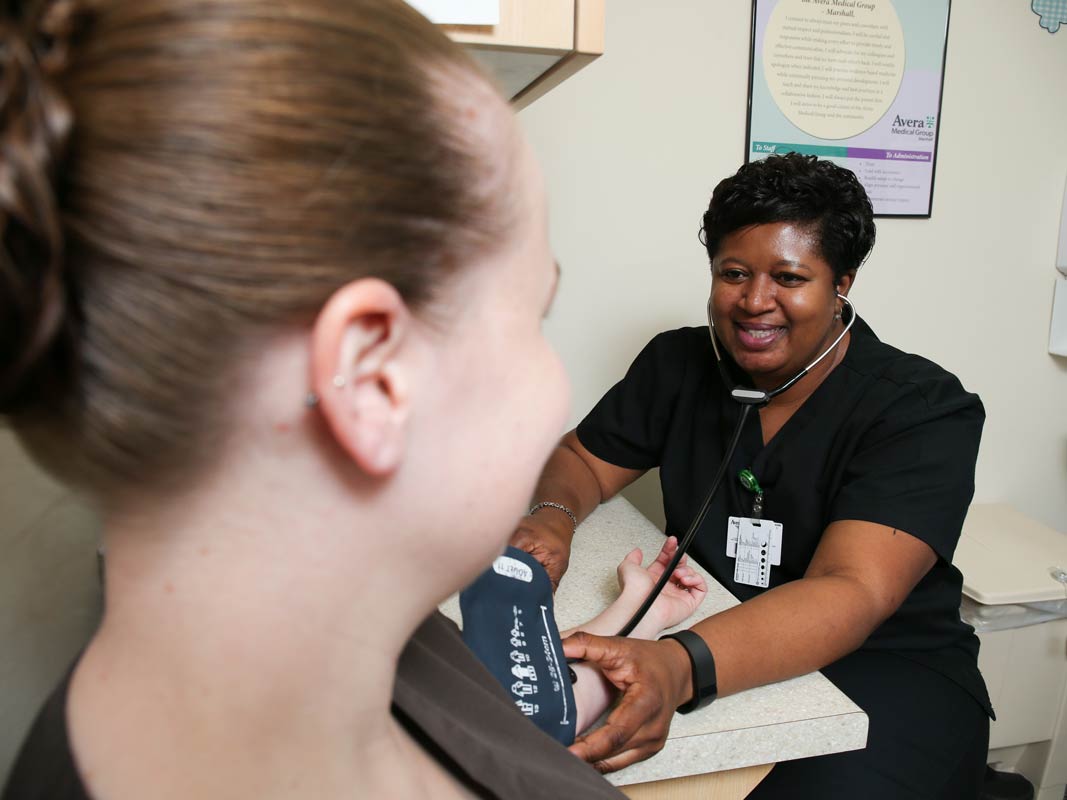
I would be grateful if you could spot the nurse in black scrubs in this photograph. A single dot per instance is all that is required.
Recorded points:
(858, 477)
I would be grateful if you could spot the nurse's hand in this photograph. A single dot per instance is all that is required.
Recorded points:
(548, 540)
(654, 678)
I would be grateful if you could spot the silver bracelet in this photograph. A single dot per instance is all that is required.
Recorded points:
(560, 506)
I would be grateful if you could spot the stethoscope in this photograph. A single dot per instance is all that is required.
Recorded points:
(749, 399)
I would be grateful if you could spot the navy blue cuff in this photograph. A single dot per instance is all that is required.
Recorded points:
(509, 624)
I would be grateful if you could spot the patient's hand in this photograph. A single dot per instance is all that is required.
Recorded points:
(680, 596)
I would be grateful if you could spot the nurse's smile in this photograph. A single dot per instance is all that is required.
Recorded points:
(758, 336)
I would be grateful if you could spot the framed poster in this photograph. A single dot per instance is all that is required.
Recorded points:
(857, 82)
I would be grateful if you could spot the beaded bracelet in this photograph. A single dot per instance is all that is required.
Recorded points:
(560, 506)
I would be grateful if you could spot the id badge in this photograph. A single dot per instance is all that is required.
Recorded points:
(756, 546)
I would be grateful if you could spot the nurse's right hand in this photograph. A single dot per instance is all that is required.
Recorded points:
(654, 679)
(546, 539)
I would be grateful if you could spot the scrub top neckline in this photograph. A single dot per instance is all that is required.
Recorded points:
(760, 452)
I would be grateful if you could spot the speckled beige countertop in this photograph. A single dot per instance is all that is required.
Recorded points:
(802, 717)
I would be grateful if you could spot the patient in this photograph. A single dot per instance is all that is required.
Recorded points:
(271, 289)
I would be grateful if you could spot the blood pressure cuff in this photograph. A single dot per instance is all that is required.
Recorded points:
(509, 625)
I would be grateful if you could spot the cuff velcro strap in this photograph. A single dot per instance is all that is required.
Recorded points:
(705, 685)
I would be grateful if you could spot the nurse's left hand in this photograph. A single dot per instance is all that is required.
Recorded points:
(654, 678)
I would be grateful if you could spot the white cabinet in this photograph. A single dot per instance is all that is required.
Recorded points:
(1024, 669)
(1005, 558)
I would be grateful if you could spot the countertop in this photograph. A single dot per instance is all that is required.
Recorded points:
(801, 717)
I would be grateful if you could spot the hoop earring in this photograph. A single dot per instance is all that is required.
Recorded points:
(838, 312)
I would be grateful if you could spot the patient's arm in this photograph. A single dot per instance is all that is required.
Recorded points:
(679, 598)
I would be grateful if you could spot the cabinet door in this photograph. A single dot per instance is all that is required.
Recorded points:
(537, 45)
(1024, 669)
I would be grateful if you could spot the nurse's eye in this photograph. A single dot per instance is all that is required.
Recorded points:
(732, 275)
(790, 279)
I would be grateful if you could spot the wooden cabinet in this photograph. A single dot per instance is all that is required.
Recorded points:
(537, 45)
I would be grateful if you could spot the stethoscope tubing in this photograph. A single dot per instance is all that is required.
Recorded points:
(754, 399)
(690, 534)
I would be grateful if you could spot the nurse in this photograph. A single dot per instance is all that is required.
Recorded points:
(860, 475)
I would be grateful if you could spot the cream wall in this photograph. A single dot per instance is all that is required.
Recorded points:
(633, 144)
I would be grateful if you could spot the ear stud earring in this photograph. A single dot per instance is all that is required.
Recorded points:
(311, 399)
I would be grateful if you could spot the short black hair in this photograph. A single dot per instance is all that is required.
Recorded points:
(799, 189)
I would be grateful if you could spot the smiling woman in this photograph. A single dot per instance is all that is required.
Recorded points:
(839, 532)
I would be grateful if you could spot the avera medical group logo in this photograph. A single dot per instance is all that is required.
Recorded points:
(919, 127)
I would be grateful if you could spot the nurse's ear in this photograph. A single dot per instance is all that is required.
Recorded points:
(358, 374)
(844, 283)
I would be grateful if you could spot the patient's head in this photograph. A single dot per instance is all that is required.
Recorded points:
(213, 210)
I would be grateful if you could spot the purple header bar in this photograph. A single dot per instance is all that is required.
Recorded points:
(889, 155)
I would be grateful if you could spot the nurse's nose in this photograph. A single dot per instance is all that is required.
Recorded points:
(759, 295)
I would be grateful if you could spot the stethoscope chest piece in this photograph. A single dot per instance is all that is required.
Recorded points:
(750, 397)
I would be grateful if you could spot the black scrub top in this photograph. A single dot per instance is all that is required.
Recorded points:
(888, 437)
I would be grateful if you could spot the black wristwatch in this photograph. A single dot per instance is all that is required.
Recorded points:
(705, 685)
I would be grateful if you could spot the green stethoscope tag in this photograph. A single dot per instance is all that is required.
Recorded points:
(748, 480)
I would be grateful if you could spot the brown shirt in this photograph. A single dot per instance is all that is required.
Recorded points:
(455, 708)
(445, 699)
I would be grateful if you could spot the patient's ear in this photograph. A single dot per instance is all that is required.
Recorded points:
(358, 374)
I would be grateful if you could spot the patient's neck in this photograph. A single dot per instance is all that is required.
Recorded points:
(241, 655)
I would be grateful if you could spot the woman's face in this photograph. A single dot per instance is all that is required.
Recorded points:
(501, 394)
(773, 300)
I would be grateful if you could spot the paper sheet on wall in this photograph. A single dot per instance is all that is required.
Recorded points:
(459, 12)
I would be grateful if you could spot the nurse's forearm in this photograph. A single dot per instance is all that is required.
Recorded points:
(568, 480)
(580, 478)
(547, 533)
(579, 481)
(791, 630)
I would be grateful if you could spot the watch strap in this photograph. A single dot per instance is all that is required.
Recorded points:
(705, 684)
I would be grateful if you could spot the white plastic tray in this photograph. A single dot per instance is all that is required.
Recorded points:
(1005, 557)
